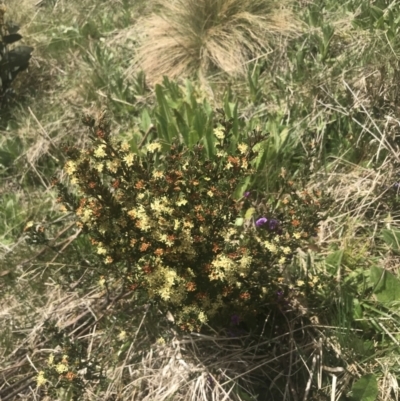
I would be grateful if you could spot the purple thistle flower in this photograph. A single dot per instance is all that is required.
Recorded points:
(235, 319)
(273, 223)
(246, 194)
(261, 221)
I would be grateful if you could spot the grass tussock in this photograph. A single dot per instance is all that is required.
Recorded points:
(185, 38)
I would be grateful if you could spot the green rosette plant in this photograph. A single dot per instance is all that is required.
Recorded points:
(170, 226)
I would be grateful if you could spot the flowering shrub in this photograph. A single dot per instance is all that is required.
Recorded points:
(170, 225)
(68, 366)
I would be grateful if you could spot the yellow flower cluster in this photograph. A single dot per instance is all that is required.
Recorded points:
(226, 269)
(40, 379)
(100, 151)
(153, 147)
(70, 167)
(161, 205)
(219, 132)
(243, 148)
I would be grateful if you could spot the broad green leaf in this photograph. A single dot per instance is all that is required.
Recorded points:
(228, 107)
(387, 286)
(365, 389)
(334, 260)
(239, 221)
(164, 111)
(172, 132)
(242, 187)
(392, 238)
(145, 120)
(162, 127)
(260, 160)
(235, 126)
(183, 127)
(193, 138)
(189, 92)
(207, 107)
(249, 213)
(357, 309)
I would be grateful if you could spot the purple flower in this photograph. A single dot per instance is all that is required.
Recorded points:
(235, 319)
(246, 194)
(261, 221)
(273, 223)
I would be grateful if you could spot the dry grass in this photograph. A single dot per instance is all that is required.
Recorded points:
(188, 37)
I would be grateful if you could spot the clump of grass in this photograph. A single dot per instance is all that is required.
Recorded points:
(202, 36)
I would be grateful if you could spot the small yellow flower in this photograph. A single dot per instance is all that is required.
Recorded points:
(70, 167)
(282, 260)
(50, 360)
(177, 224)
(28, 225)
(102, 281)
(158, 174)
(297, 235)
(286, 250)
(132, 213)
(100, 151)
(271, 247)
(40, 379)
(181, 202)
(108, 260)
(61, 368)
(210, 194)
(99, 167)
(153, 147)
(202, 317)
(101, 250)
(300, 283)
(128, 159)
(122, 335)
(160, 341)
(242, 148)
(125, 147)
(219, 132)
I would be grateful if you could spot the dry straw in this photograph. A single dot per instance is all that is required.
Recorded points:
(198, 37)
